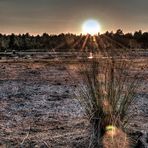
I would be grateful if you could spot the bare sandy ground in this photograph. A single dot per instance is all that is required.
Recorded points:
(38, 108)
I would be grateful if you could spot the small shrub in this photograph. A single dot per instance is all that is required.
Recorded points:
(106, 95)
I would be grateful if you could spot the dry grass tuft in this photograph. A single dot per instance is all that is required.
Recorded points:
(106, 95)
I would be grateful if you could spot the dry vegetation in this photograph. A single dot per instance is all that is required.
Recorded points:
(38, 108)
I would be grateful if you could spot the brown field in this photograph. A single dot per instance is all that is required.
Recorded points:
(38, 108)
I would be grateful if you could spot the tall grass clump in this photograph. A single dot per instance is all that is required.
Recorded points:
(106, 95)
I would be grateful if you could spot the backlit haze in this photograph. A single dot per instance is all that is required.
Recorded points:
(63, 16)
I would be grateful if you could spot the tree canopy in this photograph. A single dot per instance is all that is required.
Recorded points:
(72, 42)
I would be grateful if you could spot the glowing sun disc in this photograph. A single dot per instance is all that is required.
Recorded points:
(91, 27)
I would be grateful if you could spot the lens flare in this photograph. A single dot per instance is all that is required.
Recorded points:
(91, 27)
(115, 138)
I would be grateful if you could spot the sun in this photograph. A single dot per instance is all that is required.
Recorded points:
(91, 27)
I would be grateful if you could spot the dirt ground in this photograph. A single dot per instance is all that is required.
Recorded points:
(38, 108)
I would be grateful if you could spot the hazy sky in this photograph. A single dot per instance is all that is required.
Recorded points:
(56, 16)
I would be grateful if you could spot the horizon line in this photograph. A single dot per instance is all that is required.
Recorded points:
(54, 34)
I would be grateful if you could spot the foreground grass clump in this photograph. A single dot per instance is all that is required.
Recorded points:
(106, 97)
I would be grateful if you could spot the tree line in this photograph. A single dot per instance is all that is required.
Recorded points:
(72, 42)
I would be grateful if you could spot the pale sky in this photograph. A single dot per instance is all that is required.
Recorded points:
(57, 16)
